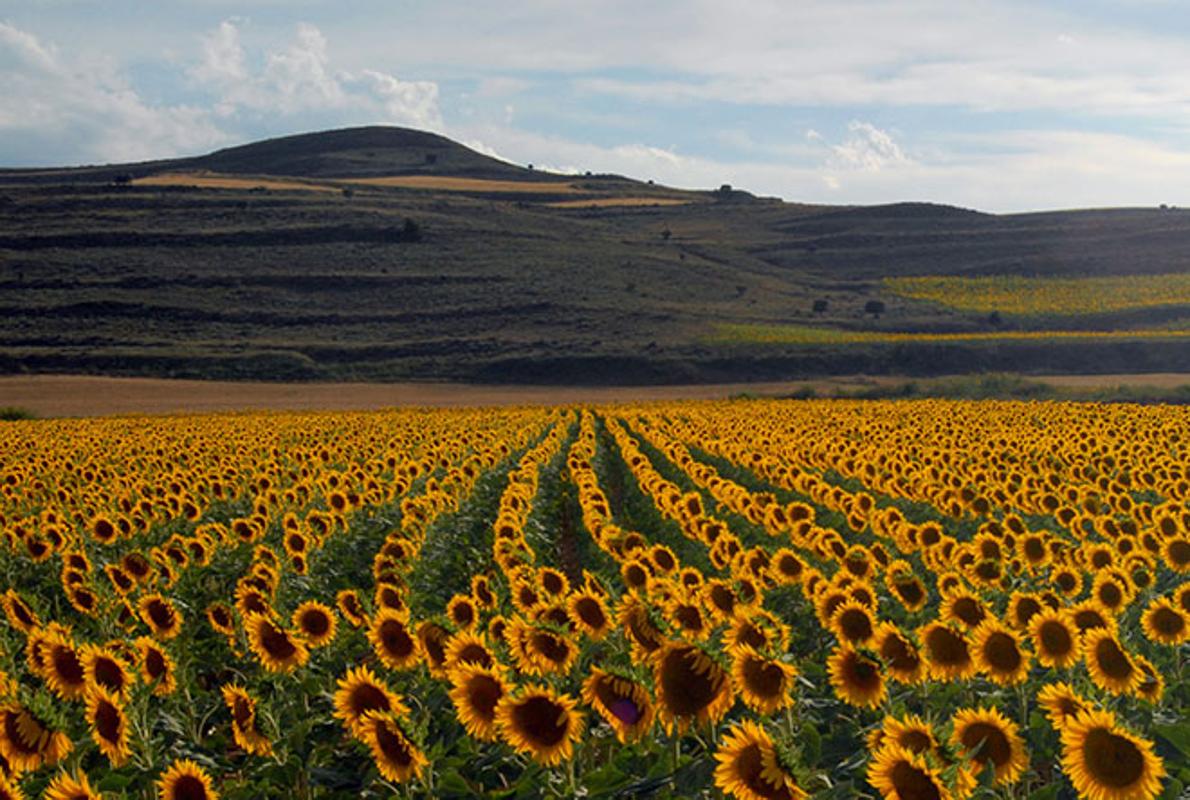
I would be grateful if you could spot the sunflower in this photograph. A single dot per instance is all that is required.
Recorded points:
(156, 665)
(220, 617)
(759, 630)
(912, 733)
(185, 780)
(635, 618)
(62, 666)
(1165, 623)
(622, 702)
(433, 639)
(1107, 762)
(1056, 638)
(853, 623)
(1090, 615)
(948, 655)
(397, 758)
(102, 667)
(909, 591)
(481, 592)
(276, 648)
(543, 651)
(162, 617)
(109, 725)
(999, 654)
(989, 738)
(26, 742)
(764, 684)
(538, 722)
(899, 654)
(1111, 668)
(691, 687)
(65, 786)
(1061, 703)
(351, 608)
(688, 618)
(589, 614)
(857, 679)
(9, 788)
(242, 707)
(749, 768)
(964, 608)
(1152, 683)
(476, 690)
(360, 691)
(1022, 607)
(900, 773)
(462, 612)
(392, 640)
(316, 621)
(19, 614)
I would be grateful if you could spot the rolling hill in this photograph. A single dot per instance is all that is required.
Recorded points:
(392, 254)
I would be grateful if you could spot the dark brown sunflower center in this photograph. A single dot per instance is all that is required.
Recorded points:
(189, 787)
(590, 613)
(763, 678)
(276, 642)
(154, 664)
(435, 643)
(1179, 552)
(897, 653)
(912, 782)
(947, 647)
(1113, 760)
(395, 638)
(540, 720)
(1002, 653)
(1112, 660)
(689, 617)
(393, 744)
(474, 654)
(483, 693)
(969, 611)
(915, 741)
(551, 647)
(1026, 609)
(67, 666)
(368, 697)
(107, 722)
(993, 745)
(911, 591)
(862, 673)
(688, 682)
(161, 614)
(1055, 638)
(1168, 622)
(856, 625)
(109, 674)
(315, 623)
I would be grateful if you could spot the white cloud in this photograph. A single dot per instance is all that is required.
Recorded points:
(50, 97)
(300, 77)
(868, 148)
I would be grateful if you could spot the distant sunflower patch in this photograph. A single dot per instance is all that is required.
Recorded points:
(1013, 294)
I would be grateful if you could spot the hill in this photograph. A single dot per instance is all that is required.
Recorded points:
(391, 254)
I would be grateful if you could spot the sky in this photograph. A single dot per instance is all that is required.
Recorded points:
(990, 104)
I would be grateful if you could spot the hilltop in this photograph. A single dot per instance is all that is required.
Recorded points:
(386, 254)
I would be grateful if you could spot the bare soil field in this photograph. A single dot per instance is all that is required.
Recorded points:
(82, 395)
(215, 181)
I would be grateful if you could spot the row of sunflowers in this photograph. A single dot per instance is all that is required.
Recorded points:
(760, 599)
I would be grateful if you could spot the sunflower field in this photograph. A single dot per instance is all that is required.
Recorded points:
(911, 600)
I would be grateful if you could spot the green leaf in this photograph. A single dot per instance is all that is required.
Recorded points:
(1177, 735)
(1046, 792)
(114, 782)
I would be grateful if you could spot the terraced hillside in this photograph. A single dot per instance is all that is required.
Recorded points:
(386, 254)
